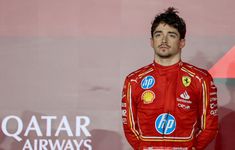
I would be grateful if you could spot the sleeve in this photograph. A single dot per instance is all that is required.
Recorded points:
(208, 114)
(129, 115)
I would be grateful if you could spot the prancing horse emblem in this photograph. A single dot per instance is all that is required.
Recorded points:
(186, 80)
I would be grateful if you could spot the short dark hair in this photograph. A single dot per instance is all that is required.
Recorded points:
(171, 18)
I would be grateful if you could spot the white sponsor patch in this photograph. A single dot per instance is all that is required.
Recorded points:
(213, 93)
(213, 105)
(185, 95)
(187, 107)
(123, 104)
(214, 112)
(213, 99)
(184, 101)
(124, 112)
(124, 120)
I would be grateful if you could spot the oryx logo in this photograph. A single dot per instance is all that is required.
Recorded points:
(165, 124)
(147, 82)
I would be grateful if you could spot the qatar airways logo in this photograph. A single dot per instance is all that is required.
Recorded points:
(46, 137)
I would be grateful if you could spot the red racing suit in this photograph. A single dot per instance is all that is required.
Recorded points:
(169, 107)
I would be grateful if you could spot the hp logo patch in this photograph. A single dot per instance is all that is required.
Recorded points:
(147, 82)
(165, 124)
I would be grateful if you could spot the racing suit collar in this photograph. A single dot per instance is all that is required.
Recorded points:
(164, 69)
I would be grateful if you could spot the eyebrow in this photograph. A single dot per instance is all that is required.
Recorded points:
(171, 32)
(157, 31)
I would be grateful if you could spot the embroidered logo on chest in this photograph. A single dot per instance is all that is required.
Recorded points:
(148, 82)
(185, 95)
(186, 80)
(148, 96)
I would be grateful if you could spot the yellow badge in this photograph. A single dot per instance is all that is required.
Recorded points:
(148, 96)
(186, 80)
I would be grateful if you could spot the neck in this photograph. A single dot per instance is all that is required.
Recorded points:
(167, 61)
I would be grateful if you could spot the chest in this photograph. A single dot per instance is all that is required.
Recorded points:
(167, 92)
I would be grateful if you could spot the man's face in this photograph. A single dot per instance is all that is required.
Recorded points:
(166, 41)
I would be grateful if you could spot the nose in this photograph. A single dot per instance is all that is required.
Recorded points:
(164, 39)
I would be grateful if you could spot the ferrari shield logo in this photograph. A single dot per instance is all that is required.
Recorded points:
(186, 80)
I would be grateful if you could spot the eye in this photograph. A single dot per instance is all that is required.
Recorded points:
(157, 34)
(173, 35)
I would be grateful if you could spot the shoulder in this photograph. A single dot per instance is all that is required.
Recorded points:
(196, 71)
(139, 73)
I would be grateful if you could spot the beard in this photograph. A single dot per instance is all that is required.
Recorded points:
(163, 53)
(164, 56)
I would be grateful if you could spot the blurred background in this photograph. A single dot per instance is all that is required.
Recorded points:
(70, 57)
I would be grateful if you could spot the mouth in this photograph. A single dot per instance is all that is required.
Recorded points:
(164, 46)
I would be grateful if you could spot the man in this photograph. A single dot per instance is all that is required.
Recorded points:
(169, 104)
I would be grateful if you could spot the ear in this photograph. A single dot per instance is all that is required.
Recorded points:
(182, 43)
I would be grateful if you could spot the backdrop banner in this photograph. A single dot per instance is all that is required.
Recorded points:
(63, 65)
